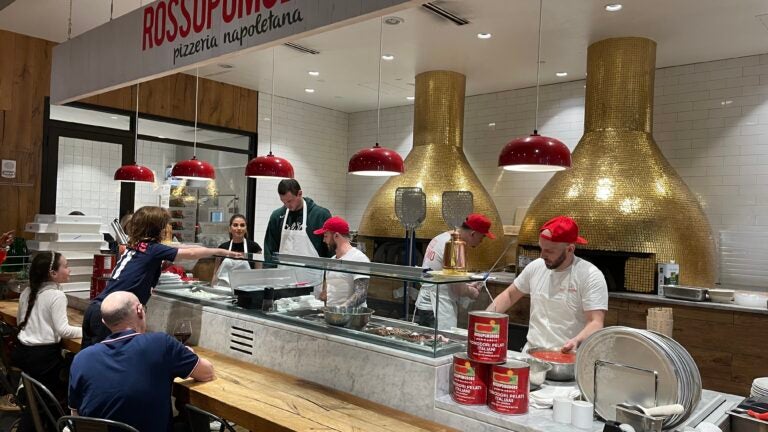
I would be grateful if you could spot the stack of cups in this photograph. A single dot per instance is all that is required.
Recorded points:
(484, 375)
(660, 320)
(577, 413)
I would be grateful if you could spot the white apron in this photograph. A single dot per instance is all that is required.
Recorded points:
(297, 242)
(227, 265)
(556, 316)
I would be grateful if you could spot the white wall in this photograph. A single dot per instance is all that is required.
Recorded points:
(314, 140)
(710, 121)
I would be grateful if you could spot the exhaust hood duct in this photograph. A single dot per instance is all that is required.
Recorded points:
(436, 164)
(621, 190)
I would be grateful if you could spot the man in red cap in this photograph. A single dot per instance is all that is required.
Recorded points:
(342, 289)
(569, 295)
(475, 228)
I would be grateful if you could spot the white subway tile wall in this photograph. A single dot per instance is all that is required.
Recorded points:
(710, 121)
(85, 178)
(155, 156)
(314, 140)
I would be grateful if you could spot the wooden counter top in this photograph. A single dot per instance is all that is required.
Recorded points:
(258, 398)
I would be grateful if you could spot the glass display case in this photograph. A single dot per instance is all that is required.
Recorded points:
(265, 293)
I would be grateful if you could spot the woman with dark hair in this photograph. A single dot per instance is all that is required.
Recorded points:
(138, 268)
(238, 242)
(42, 323)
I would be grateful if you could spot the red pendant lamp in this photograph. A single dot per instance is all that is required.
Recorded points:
(535, 153)
(194, 169)
(270, 166)
(377, 161)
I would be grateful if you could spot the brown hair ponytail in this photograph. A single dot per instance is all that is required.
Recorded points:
(39, 273)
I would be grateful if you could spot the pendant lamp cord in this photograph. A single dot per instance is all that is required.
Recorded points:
(538, 67)
(197, 86)
(136, 128)
(378, 88)
(272, 101)
(69, 27)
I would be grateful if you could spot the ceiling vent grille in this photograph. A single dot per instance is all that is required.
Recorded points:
(445, 14)
(241, 340)
(301, 48)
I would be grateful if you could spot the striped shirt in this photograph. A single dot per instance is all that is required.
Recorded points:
(138, 270)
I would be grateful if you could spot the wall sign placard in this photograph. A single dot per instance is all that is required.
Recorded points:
(168, 36)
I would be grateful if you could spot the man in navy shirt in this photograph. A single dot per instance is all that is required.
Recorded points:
(128, 376)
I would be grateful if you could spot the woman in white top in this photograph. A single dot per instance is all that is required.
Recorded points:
(42, 322)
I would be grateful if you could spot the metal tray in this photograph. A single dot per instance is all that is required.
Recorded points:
(685, 292)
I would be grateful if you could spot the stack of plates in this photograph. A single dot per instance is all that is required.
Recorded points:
(637, 367)
(759, 388)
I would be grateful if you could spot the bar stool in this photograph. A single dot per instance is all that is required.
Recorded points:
(42, 405)
(90, 424)
(200, 420)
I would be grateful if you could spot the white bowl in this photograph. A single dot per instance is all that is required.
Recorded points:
(721, 295)
(751, 299)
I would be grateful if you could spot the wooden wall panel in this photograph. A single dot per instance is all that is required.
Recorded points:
(22, 108)
(726, 345)
(174, 97)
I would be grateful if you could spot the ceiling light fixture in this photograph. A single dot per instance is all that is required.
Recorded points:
(270, 166)
(314, 73)
(377, 161)
(132, 172)
(388, 57)
(561, 74)
(484, 35)
(613, 7)
(309, 90)
(194, 169)
(535, 153)
(410, 97)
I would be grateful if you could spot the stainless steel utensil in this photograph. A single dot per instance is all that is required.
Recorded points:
(351, 317)
(120, 235)
(685, 292)
(639, 421)
(559, 371)
(538, 370)
(411, 210)
(457, 205)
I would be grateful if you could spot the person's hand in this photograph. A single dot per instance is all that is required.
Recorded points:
(473, 290)
(324, 294)
(569, 346)
(234, 254)
(6, 239)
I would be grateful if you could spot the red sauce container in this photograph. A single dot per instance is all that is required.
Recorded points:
(98, 284)
(487, 340)
(469, 380)
(103, 265)
(508, 387)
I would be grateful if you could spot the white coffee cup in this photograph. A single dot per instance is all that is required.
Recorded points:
(582, 414)
(561, 410)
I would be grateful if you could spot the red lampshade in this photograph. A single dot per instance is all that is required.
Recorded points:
(535, 153)
(269, 166)
(193, 169)
(376, 161)
(134, 173)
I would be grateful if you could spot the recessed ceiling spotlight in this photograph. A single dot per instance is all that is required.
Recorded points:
(388, 57)
(484, 35)
(161, 137)
(613, 7)
(113, 117)
(314, 73)
(309, 90)
(393, 20)
(561, 74)
(492, 124)
(410, 97)
(266, 119)
(226, 66)
(726, 102)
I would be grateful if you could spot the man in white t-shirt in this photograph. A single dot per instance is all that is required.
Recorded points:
(342, 289)
(569, 295)
(445, 305)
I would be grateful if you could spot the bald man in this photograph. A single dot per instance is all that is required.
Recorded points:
(128, 376)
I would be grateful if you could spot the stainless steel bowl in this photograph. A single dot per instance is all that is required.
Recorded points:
(350, 317)
(538, 370)
(559, 371)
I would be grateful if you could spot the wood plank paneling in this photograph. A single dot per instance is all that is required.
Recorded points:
(8, 52)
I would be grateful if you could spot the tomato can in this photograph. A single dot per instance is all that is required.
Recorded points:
(98, 285)
(508, 387)
(488, 337)
(469, 380)
(103, 265)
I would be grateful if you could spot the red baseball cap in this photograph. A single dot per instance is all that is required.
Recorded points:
(335, 224)
(480, 223)
(563, 229)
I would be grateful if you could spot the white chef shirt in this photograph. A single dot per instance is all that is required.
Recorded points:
(48, 322)
(342, 285)
(559, 300)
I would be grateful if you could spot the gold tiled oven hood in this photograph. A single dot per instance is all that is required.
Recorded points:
(621, 190)
(436, 164)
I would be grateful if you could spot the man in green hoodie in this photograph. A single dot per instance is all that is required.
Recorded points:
(291, 227)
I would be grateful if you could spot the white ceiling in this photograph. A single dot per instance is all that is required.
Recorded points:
(687, 31)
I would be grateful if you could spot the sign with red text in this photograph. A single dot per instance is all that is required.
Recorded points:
(169, 36)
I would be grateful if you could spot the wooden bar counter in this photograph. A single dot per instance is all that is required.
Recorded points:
(258, 398)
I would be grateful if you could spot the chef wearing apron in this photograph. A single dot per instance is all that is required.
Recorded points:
(239, 243)
(569, 295)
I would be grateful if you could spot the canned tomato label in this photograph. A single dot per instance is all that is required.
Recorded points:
(487, 337)
(508, 387)
(469, 380)
(98, 285)
(103, 264)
